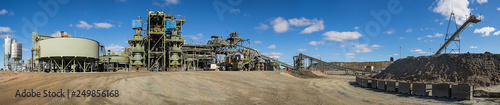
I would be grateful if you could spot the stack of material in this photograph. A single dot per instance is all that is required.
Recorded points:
(303, 74)
(380, 65)
(478, 69)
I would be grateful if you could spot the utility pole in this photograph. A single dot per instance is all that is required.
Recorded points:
(399, 52)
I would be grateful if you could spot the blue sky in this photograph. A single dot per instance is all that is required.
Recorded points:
(332, 30)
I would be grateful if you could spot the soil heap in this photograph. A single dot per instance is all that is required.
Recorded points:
(477, 69)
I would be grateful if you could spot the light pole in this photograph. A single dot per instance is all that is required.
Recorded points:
(399, 52)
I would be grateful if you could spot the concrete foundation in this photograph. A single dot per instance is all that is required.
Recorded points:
(374, 84)
(358, 80)
(381, 85)
(405, 87)
(422, 89)
(364, 82)
(462, 91)
(441, 90)
(391, 86)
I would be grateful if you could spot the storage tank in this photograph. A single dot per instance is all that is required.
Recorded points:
(69, 47)
(8, 42)
(16, 51)
(76, 54)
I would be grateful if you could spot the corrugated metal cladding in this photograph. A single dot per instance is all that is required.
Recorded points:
(136, 23)
(170, 24)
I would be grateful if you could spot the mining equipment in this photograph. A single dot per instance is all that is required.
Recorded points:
(13, 55)
(64, 53)
(6, 59)
(301, 62)
(163, 49)
(449, 39)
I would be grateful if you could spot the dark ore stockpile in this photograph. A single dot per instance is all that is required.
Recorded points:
(477, 69)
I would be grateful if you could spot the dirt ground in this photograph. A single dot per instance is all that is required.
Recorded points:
(210, 87)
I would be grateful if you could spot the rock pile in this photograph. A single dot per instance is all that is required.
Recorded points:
(478, 69)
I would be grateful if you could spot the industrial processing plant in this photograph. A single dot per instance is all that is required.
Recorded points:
(162, 48)
(13, 55)
(234, 52)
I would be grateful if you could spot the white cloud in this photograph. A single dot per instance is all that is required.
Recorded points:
(197, 37)
(272, 47)
(435, 35)
(350, 57)
(473, 47)
(496, 33)
(314, 28)
(335, 54)
(362, 48)
(166, 3)
(262, 27)
(375, 46)
(234, 11)
(5, 29)
(401, 37)
(57, 34)
(482, 1)
(315, 43)
(416, 50)
(341, 36)
(438, 35)
(115, 48)
(24, 49)
(316, 56)
(356, 28)
(257, 42)
(350, 54)
(274, 55)
(302, 49)
(485, 31)
(409, 30)
(498, 8)
(280, 25)
(6, 35)
(302, 21)
(419, 38)
(3, 12)
(70, 25)
(390, 31)
(419, 51)
(428, 40)
(314, 24)
(393, 55)
(84, 25)
(103, 25)
(458, 7)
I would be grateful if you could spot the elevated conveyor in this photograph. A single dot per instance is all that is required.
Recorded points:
(301, 57)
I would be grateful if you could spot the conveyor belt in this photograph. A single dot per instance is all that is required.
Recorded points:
(328, 64)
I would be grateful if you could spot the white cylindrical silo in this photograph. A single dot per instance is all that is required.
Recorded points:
(17, 50)
(8, 42)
